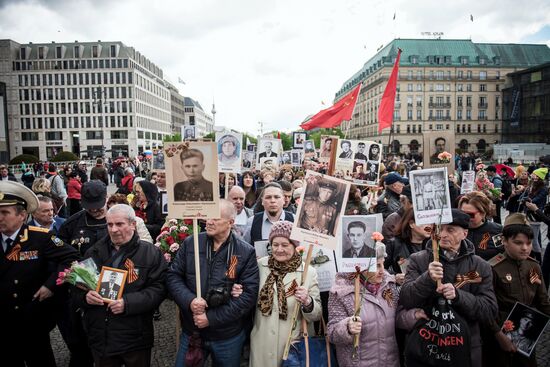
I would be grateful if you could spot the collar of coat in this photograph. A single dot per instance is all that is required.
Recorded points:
(466, 249)
(343, 285)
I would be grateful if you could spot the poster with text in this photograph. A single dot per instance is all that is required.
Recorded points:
(318, 215)
(430, 193)
(358, 161)
(192, 182)
(356, 247)
(229, 151)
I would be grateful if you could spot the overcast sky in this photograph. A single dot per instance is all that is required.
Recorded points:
(270, 61)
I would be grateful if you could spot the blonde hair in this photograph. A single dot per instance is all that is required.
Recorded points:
(41, 185)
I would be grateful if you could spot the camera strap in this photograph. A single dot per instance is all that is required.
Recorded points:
(210, 257)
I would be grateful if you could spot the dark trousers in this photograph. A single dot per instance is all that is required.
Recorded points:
(138, 358)
(26, 347)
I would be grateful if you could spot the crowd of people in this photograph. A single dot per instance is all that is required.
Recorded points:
(245, 312)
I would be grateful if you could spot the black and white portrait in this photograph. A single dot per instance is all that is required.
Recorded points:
(431, 199)
(345, 150)
(164, 202)
(322, 204)
(249, 157)
(110, 284)
(158, 160)
(189, 132)
(357, 246)
(296, 157)
(524, 326)
(268, 148)
(229, 151)
(468, 180)
(286, 158)
(298, 139)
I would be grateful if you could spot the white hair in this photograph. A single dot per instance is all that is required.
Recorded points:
(125, 209)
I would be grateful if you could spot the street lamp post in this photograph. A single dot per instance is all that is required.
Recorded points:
(100, 101)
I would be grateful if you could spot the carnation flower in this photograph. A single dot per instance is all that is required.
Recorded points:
(167, 257)
(174, 247)
(377, 236)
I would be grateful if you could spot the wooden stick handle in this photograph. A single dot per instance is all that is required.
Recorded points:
(435, 247)
(357, 311)
(226, 186)
(296, 310)
(197, 261)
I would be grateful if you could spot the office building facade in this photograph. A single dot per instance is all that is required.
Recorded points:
(90, 98)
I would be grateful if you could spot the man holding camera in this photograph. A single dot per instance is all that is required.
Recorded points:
(217, 322)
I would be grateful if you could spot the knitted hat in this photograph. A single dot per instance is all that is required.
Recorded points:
(281, 228)
(541, 172)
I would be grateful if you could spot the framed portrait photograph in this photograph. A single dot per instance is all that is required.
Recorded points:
(296, 157)
(249, 160)
(158, 160)
(431, 198)
(309, 149)
(357, 248)
(192, 180)
(229, 151)
(298, 139)
(524, 327)
(468, 180)
(328, 143)
(286, 157)
(188, 132)
(268, 148)
(110, 284)
(438, 145)
(317, 217)
(164, 202)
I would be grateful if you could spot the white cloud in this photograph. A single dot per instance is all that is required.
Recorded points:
(264, 61)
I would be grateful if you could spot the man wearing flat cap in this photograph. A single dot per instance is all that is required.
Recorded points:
(474, 300)
(81, 231)
(388, 202)
(517, 278)
(27, 282)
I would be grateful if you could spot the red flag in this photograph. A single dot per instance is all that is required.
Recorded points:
(278, 135)
(333, 116)
(387, 103)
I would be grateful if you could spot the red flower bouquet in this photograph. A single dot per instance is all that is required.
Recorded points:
(172, 236)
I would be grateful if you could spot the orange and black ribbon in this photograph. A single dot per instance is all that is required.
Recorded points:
(292, 289)
(484, 243)
(469, 277)
(232, 270)
(132, 273)
(388, 296)
(14, 253)
(534, 277)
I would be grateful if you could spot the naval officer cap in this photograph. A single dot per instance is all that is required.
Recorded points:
(14, 193)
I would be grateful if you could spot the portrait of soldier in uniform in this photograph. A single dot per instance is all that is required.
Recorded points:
(110, 285)
(347, 153)
(195, 187)
(439, 148)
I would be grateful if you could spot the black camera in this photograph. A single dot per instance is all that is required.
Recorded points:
(217, 296)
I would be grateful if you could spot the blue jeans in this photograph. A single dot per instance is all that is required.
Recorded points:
(225, 353)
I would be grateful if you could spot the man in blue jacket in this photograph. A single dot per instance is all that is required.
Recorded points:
(217, 318)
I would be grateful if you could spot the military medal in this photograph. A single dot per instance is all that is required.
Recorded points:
(509, 277)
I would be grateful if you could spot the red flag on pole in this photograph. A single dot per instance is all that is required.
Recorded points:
(333, 116)
(387, 103)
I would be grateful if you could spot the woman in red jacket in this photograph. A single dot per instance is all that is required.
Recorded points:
(73, 193)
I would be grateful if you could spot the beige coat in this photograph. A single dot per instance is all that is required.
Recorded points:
(268, 337)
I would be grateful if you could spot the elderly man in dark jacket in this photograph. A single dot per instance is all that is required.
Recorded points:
(475, 301)
(388, 202)
(220, 320)
(121, 332)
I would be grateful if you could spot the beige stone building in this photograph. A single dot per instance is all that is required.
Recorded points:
(443, 85)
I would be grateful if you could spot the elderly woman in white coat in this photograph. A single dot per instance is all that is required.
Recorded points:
(280, 290)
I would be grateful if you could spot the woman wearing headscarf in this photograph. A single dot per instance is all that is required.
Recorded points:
(280, 290)
(376, 321)
(146, 206)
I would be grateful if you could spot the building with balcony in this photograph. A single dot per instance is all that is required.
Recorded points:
(195, 115)
(526, 106)
(442, 85)
(90, 98)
